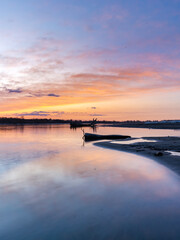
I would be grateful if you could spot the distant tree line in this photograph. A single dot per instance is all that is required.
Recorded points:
(22, 121)
(137, 123)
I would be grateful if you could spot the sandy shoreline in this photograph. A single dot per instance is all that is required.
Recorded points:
(155, 150)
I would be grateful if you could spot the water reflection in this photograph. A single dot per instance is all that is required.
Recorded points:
(137, 140)
(52, 188)
(139, 132)
(92, 128)
(174, 153)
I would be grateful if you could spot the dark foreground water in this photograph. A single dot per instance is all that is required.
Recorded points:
(52, 186)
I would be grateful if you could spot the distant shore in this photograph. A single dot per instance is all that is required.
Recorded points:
(157, 150)
(166, 124)
(158, 125)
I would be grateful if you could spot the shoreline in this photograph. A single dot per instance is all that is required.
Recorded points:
(152, 126)
(154, 150)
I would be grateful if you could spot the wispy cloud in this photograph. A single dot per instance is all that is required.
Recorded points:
(14, 90)
(39, 113)
(55, 114)
(96, 115)
(53, 95)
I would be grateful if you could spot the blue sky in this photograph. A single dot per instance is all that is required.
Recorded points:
(90, 52)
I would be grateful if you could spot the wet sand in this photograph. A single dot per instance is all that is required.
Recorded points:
(157, 150)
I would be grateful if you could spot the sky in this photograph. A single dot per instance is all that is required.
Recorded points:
(81, 59)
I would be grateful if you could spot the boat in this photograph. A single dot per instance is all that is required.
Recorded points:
(94, 137)
(76, 124)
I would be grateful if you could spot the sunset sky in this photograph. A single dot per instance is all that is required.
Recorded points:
(80, 59)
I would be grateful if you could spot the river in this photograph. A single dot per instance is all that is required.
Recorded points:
(55, 186)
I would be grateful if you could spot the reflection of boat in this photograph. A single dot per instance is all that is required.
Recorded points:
(79, 124)
(94, 137)
(76, 124)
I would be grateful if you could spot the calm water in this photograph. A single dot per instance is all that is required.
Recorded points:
(52, 186)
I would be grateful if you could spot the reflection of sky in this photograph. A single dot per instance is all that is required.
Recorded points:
(138, 140)
(63, 189)
(119, 56)
(174, 153)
